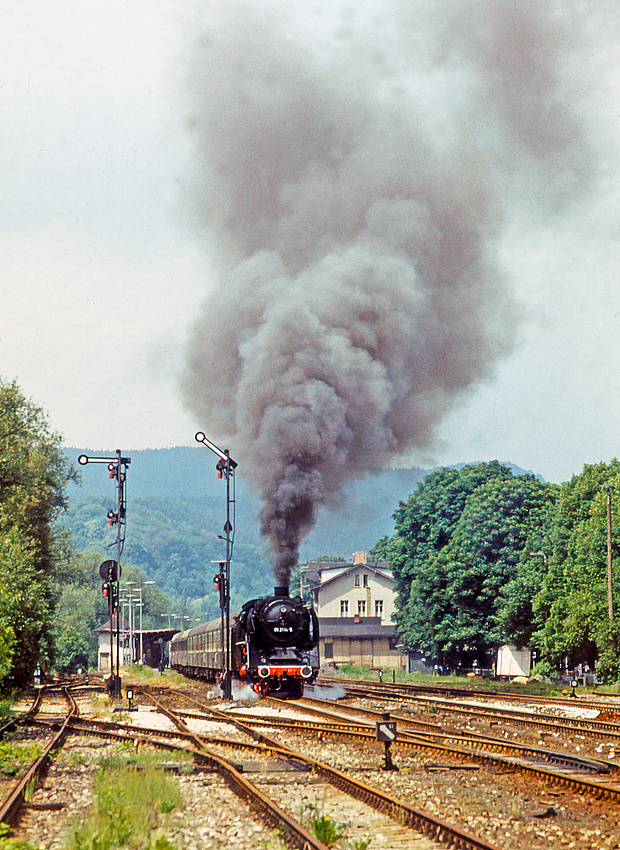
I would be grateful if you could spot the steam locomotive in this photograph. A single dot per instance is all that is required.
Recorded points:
(274, 646)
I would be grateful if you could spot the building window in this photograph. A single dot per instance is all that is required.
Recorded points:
(357, 580)
(328, 652)
(393, 641)
(344, 607)
(361, 607)
(378, 607)
(365, 580)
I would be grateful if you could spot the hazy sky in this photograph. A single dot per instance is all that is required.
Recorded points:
(101, 277)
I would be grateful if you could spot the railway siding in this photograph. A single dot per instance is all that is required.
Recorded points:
(497, 800)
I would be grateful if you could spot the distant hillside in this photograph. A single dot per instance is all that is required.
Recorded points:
(176, 510)
(187, 473)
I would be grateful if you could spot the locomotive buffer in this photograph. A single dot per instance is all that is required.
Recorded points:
(386, 732)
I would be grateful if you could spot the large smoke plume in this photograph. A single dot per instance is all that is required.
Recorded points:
(352, 171)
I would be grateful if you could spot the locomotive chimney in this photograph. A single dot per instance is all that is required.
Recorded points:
(281, 590)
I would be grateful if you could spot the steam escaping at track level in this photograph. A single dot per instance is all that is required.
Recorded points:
(355, 223)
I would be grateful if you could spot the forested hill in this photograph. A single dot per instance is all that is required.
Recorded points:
(187, 474)
(176, 510)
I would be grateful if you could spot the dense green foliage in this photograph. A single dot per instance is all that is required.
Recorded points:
(483, 557)
(461, 557)
(175, 543)
(33, 476)
(572, 607)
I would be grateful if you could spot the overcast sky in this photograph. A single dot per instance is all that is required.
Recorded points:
(101, 277)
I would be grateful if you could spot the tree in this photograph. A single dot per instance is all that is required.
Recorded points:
(572, 603)
(461, 538)
(25, 613)
(75, 621)
(33, 475)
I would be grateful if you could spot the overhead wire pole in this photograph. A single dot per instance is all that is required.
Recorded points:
(117, 468)
(610, 591)
(225, 466)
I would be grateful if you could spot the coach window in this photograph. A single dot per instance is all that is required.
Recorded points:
(344, 607)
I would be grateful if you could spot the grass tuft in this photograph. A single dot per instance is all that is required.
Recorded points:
(131, 802)
(15, 756)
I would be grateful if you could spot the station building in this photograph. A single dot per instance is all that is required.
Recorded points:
(354, 603)
(153, 642)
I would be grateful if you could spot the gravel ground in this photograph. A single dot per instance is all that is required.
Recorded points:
(213, 817)
(508, 809)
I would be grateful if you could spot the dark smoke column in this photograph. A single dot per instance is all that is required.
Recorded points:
(359, 295)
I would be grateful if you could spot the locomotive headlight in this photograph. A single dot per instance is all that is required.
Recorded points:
(305, 672)
(263, 672)
(305, 659)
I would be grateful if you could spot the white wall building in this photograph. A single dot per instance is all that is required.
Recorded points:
(354, 603)
(357, 589)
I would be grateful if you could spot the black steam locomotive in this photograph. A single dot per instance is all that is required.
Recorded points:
(274, 646)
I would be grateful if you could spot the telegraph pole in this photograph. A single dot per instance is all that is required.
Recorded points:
(225, 468)
(610, 596)
(117, 469)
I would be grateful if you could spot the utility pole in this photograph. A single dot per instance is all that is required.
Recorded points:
(610, 596)
(225, 468)
(117, 469)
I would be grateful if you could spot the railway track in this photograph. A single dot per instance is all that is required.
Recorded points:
(408, 689)
(556, 769)
(248, 759)
(588, 727)
(563, 774)
(402, 814)
(50, 719)
(369, 807)
(11, 806)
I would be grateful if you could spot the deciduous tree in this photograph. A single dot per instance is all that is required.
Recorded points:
(33, 475)
(461, 538)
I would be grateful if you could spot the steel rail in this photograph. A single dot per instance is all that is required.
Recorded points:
(9, 810)
(25, 716)
(267, 745)
(404, 689)
(295, 833)
(584, 786)
(152, 736)
(469, 742)
(397, 810)
(473, 739)
(316, 707)
(589, 727)
(276, 816)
